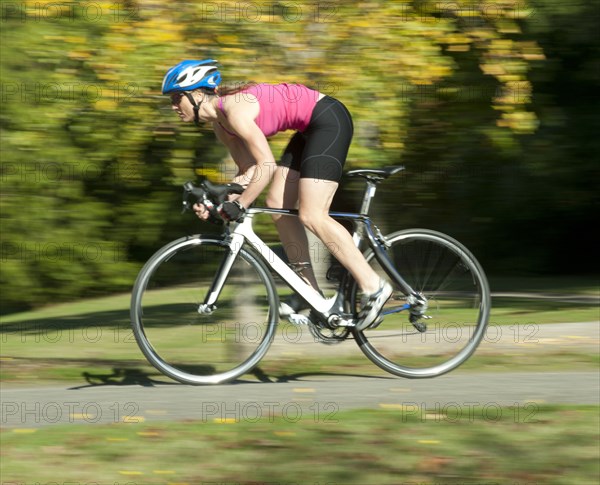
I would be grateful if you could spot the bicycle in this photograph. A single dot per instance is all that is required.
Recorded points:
(204, 308)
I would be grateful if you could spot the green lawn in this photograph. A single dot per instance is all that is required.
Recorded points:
(533, 444)
(558, 285)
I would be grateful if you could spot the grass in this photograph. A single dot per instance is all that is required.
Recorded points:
(538, 444)
(511, 311)
(558, 285)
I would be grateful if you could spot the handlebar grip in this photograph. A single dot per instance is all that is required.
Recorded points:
(218, 193)
(192, 195)
(210, 195)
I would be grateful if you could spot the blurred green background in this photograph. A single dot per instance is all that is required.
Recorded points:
(491, 106)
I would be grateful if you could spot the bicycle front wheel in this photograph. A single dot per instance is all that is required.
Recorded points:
(189, 342)
(454, 285)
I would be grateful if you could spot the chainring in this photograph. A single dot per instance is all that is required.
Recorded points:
(328, 336)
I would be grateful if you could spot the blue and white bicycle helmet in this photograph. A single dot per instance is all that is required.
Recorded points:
(190, 75)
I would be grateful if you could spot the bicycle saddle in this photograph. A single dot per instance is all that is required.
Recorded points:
(375, 174)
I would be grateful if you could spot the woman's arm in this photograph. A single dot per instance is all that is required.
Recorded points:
(239, 117)
(243, 159)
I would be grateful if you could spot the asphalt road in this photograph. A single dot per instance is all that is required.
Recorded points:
(317, 397)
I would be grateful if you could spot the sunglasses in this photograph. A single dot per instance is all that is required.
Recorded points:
(176, 98)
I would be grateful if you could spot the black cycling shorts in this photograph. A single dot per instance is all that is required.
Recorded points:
(320, 151)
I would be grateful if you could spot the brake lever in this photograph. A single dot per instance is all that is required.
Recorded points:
(197, 194)
(201, 194)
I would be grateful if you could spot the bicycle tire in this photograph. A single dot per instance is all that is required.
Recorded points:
(458, 294)
(198, 348)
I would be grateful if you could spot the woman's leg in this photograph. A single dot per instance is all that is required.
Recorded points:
(315, 197)
(283, 193)
(325, 147)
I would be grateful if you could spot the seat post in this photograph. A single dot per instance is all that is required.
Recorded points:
(370, 190)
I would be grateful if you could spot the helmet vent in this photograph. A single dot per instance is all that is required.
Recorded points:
(189, 75)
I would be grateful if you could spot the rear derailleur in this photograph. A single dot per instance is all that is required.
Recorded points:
(418, 306)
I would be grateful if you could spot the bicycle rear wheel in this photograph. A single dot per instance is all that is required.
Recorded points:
(456, 289)
(203, 348)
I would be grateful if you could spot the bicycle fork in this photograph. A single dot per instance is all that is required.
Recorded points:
(233, 247)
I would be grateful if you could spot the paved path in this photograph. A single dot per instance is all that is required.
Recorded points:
(318, 397)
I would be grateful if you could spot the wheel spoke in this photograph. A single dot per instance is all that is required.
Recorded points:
(214, 346)
(457, 295)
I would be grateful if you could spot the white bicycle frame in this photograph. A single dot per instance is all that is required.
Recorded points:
(244, 231)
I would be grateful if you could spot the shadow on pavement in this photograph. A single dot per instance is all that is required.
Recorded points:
(265, 378)
(120, 377)
(137, 377)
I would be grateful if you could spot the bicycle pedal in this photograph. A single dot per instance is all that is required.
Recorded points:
(420, 326)
(298, 319)
(376, 323)
(335, 321)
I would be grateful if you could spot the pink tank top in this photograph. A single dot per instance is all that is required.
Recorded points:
(281, 106)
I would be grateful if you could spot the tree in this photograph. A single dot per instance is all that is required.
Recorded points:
(92, 158)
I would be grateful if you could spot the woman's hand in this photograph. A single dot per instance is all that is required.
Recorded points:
(201, 211)
(232, 211)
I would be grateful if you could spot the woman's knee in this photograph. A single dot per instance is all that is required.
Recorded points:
(312, 220)
(273, 202)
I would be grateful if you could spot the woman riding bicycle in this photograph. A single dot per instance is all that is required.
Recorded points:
(307, 175)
